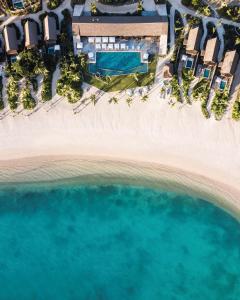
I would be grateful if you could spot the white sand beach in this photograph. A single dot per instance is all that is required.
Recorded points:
(152, 133)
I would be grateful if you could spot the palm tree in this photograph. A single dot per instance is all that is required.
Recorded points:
(93, 8)
(93, 99)
(113, 100)
(129, 101)
(144, 98)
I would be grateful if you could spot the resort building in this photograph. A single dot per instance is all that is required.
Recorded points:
(31, 34)
(11, 41)
(211, 52)
(193, 41)
(229, 64)
(127, 27)
(127, 40)
(50, 30)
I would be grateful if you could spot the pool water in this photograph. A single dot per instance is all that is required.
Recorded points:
(114, 242)
(118, 63)
(222, 85)
(189, 64)
(206, 73)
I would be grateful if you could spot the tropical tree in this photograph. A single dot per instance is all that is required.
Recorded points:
(144, 98)
(93, 8)
(93, 99)
(129, 101)
(113, 100)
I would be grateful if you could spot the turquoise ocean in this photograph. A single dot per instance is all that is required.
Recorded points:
(106, 242)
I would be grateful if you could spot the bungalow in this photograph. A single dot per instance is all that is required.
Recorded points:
(31, 34)
(50, 30)
(211, 52)
(193, 41)
(11, 41)
(229, 64)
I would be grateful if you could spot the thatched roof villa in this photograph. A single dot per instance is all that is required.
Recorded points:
(229, 64)
(194, 40)
(211, 52)
(11, 41)
(31, 34)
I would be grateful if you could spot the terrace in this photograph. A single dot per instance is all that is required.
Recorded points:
(138, 50)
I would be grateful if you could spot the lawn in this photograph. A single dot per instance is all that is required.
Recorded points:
(123, 82)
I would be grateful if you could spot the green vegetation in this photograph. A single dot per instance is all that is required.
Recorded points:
(29, 65)
(187, 78)
(230, 12)
(129, 101)
(65, 32)
(201, 92)
(70, 83)
(176, 91)
(140, 7)
(123, 82)
(53, 4)
(236, 109)
(113, 100)
(93, 99)
(26, 97)
(220, 104)
(1, 94)
(50, 62)
(93, 9)
(12, 92)
(144, 98)
(46, 92)
(199, 5)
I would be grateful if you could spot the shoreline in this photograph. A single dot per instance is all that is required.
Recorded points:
(59, 170)
(150, 135)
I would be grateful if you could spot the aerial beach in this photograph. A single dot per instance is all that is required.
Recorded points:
(119, 149)
(151, 133)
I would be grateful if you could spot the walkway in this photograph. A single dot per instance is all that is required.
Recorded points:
(111, 9)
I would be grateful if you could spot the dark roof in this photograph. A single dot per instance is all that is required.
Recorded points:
(119, 19)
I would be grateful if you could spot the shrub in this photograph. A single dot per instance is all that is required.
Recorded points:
(47, 87)
(236, 110)
(70, 83)
(26, 97)
(12, 92)
(220, 104)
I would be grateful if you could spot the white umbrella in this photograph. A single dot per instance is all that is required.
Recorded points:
(91, 39)
(112, 39)
(105, 39)
(98, 39)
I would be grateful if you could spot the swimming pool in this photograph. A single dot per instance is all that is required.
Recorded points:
(118, 63)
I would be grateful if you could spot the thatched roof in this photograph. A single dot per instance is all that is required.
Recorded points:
(211, 52)
(31, 34)
(230, 62)
(50, 29)
(194, 39)
(120, 26)
(11, 42)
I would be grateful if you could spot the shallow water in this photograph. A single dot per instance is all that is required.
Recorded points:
(115, 242)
